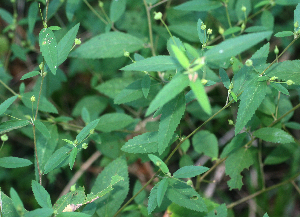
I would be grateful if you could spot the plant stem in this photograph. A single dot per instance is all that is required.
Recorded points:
(8, 88)
(262, 191)
(36, 156)
(95, 12)
(150, 28)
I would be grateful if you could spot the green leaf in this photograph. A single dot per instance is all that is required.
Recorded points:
(73, 214)
(17, 202)
(32, 15)
(234, 46)
(275, 135)
(14, 162)
(72, 158)
(142, 195)
(232, 30)
(234, 144)
(7, 207)
(146, 83)
(156, 63)
(220, 211)
(45, 212)
(48, 47)
(186, 30)
(287, 70)
(174, 41)
(224, 77)
(207, 143)
(201, 33)
(42, 128)
(113, 121)
(266, 215)
(44, 105)
(5, 15)
(4, 106)
(152, 202)
(172, 113)
(287, 2)
(281, 153)
(199, 5)
(201, 95)
(280, 88)
(41, 195)
(238, 9)
(111, 202)
(293, 125)
(71, 7)
(284, 34)
(117, 9)
(66, 43)
(12, 125)
(57, 158)
(267, 20)
(180, 56)
(145, 143)
(235, 164)
(30, 75)
(158, 162)
(184, 195)
(18, 51)
(86, 130)
(132, 92)
(169, 91)
(161, 190)
(251, 98)
(108, 45)
(189, 171)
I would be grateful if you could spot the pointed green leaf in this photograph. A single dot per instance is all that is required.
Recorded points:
(42, 128)
(145, 143)
(280, 88)
(297, 17)
(45, 212)
(184, 195)
(156, 63)
(117, 9)
(267, 20)
(220, 211)
(284, 34)
(132, 92)
(172, 113)
(201, 33)
(281, 153)
(30, 75)
(158, 162)
(207, 143)
(203, 5)
(113, 121)
(73, 214)
(14, 162)
(4, 106)
(266, 215)
(180, 56)
(275, 135)
(234, 144)
(251, 98)
(66, 43)
(189, 171)
(238, 9)
(146, 83)
(175, 42)
(108, 45)
(18, 204)
(235, 164)
(71, 7)
(86, 130)
(169, 91)
(41, 195)
(201, 95)
(234, 46)
(224, 77)
(48, 47)
(232, 30)
(72, 158)
(12, 125)
(152, 202)
(5, 15)
(161, 190)
(32, 15)
(287, 2)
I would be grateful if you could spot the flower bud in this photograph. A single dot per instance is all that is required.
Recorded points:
(273, 78)
(32, 99)
(290, 82)
(249, 62)
(189, 182)
(231, 61)
(73, 187)
(100, 3)
(209, 31)
(126, 54)
(204, 81)
(203, 27)
(243, 8)
(157, 15)
(230, 122)
(77, 41)
(296, 24)
(84, 145)
(221, 30)
(276, 50)
(4, 137)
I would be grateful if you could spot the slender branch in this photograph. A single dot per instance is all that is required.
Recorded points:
(149, 27)
(40, 93)
(157, 4)
(8, 88)
(36, 155)
(95, 12)
(296, 186)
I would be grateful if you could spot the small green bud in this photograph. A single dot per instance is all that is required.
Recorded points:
(243, 8)
(290, 82)
(169, 174)
(203, 27)
(189, 182)
(126, 54)
(41, 65)
(273, 78)
(44, 74)
(73, 187)
(11, 34)
(231, 60)
(249, 62)
(4, 137)
(209, 31)
(84, 145)
(32, 99)
(77, 41)
(92, 131)
(221, 30)
(157, 15)
(100, 3)
(243, 26)
(204, 81)
(276, 50)
(158, 163)
(296, 24)
(230, 122)
(231, 86)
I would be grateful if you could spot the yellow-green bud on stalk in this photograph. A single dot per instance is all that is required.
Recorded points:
(296, 24)
(203, 27)
(243, 8)
(204, 81)
(290, 82)
(230, 122)
(32, 99)
(243, 26)
(84, 145)
(77, 41)
(92, 131)
(4, 137)
(157, 15)
(73, 187)
(189, 182)
(100, 3)
(199, 63)
(231, 61)
(126, 54)
(209, 31)
(249, 62)
(221, 30)
(273, 78)
(276, 50)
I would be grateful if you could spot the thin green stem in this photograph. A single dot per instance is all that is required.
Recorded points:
(40, 93)
(296, 186)
(227, 16)
(8, 88)
(149, 28)
(163, 22)
(261, 165)
(95, 12)
(230, 206)
(36, 156)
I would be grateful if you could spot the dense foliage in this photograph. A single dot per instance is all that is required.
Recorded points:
(149, 108)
